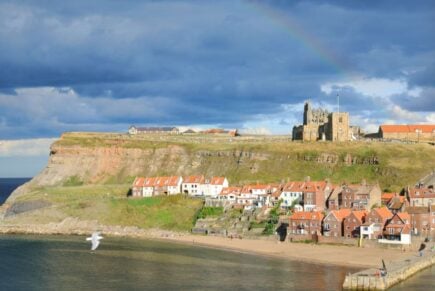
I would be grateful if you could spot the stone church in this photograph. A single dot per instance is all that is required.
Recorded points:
(319, 124)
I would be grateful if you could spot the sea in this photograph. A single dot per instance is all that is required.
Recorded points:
(8, 185)
(36, 262)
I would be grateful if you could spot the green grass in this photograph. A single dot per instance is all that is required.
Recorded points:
(210, 212)
(73, 181)
(110, 206)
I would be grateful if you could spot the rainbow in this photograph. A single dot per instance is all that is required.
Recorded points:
(297, 33)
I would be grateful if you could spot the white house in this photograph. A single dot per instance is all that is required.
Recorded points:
(292, 192)
(193, 185)
(230, 194)
(153, 186)
(214, 187)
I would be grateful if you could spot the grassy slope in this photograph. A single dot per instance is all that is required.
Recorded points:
(110, 206)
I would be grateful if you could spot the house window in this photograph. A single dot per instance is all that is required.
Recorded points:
(391, 230)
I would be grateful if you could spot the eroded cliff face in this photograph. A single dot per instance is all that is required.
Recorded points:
(117, 159)
(119, 165)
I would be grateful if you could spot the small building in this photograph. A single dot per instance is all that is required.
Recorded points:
(409, 132)
(398, 228)
(305, 222)
(214, 186)
(315, 194)
(356, 197)
(333, 222)
(353, 222)
(155, 186)
(421, 196)
(420, 220)
(193, 185)
(375, 222)
(397, 204)
(153, 130)
(291, 194)
(230, 194)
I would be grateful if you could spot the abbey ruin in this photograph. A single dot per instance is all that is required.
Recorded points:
(319, 124)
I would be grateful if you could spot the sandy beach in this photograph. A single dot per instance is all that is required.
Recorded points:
(313, 253)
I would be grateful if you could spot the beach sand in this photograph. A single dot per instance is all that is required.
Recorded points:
(313, 253)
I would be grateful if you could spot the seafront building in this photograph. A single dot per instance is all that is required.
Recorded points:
(317, 208)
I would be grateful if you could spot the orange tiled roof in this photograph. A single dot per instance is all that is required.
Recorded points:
(403, 216)
(359, 214)
(314, 215)
(138, 182)
(231, 190)
(341, 214)
(156, 181)
(194, 179)
(391, 128)
(384, 212)
(217, 180)
(387, 196)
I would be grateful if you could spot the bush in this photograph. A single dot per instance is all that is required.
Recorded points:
(73, 181)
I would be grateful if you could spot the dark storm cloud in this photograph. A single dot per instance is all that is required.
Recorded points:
(198, 62)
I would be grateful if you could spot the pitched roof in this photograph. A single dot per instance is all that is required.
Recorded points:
(405, 128)
(403, 216)
(383, 212)
(156, 181)
(359, 214)
(341, 214)
(421, 193)
(217, 181)
(231, 190)
(387, 196)
(138, 182)
(194, 179)
(314, 215)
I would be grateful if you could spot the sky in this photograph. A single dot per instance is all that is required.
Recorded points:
(105, 65)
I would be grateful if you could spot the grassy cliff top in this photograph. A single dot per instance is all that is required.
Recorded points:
(276, 158)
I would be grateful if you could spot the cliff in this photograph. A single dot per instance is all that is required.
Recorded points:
(89, 174)
(86, 158)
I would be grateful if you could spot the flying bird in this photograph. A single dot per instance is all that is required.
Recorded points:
(95, 239)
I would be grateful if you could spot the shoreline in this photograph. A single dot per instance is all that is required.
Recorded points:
(321, 254)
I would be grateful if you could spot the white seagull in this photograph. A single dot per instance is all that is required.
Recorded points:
(95, 238)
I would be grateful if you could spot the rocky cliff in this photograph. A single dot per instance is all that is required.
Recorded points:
(79, 158)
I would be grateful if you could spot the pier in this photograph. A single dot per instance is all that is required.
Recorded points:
(376, 279)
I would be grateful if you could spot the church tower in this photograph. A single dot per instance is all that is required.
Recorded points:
(307, 113)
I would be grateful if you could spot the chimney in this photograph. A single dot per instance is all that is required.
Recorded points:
(307, 179)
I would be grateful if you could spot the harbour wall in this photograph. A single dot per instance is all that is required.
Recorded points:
(372, 279)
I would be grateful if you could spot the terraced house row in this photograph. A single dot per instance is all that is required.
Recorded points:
(396, 221)
(172, 185)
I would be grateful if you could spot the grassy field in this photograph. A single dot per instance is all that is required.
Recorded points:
(110, 206)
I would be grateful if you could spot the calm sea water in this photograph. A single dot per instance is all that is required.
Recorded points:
(8, 185)
(66, 263)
